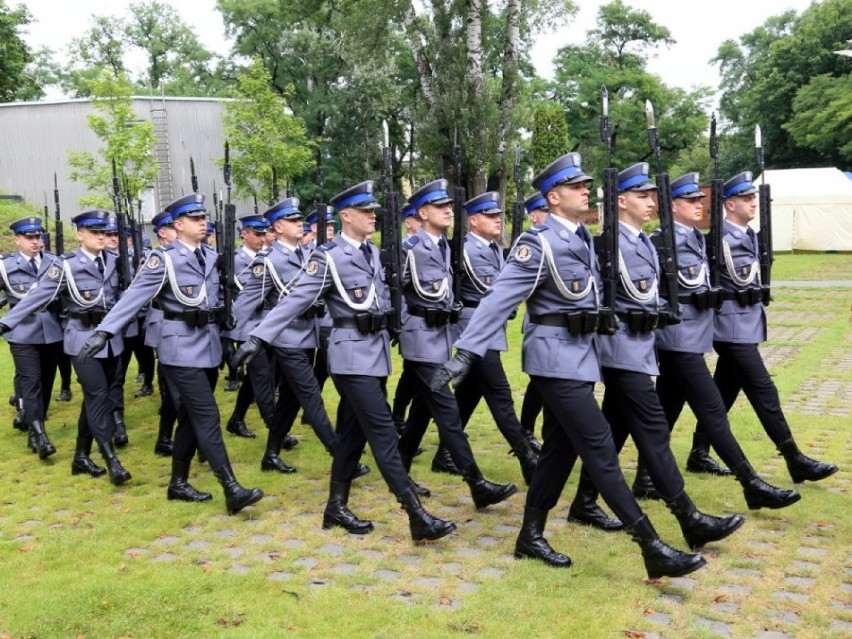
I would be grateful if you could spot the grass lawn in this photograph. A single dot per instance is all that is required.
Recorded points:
(81, 558)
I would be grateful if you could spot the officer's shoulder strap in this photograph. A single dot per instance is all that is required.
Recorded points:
(170, 247)
(413, 241)
(326, 247)
(69, 255)
(535, 230)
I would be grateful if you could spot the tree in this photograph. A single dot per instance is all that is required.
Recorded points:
(822, 118)
(264, 135)
(614, 56)
(771, 65)
(550, 134)
(127, 142)
(17, 80)
(174, 56)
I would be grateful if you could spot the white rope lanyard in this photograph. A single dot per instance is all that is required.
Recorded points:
(179, 295)
(478, 284)
(732, 271)
(355, 306)
(693, 282)
(74, 292)
(632, 292)
(547, 254)
(439, 296)
(7, 284)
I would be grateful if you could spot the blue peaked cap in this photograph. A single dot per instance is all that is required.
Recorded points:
(740, 184)
(435, 192)
(635, 178)
(190, 205)
(566, 169)
(96, 220)
(161, 219)
(488, 203)
(287, 209)
(686, 186)
(359, 196)
(29, 226)
(535, 202)
(255, 222)
(313, 217)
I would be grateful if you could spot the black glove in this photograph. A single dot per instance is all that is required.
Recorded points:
(454, 370)
(4, 329)
(247, 351)
(94, 344)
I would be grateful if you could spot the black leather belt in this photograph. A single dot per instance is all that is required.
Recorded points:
(745, 297)
(195, 318)
(435, 316)
(639, 321)
(89, 318)
(470, 303)
(577, 322)
(317, 310)
(366, 323)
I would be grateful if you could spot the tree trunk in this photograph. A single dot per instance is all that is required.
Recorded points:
(508, 94)
(418, 48)
(475, 80)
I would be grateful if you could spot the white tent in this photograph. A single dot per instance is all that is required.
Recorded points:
(811, 209)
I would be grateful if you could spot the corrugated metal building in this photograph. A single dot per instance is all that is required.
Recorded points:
(34, 137)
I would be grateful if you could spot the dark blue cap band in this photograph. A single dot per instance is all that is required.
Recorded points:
(736, 188)
(94, 221)
(28, 228)
(281, 213)
(355, 200)
(482, 206)
(633, 181)
(429, 197)
(187, 208)
(566, 173)
(683, 190)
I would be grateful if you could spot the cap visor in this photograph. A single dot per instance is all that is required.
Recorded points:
(691, 196)
(645, 186)
(369, 206)
(443, 200)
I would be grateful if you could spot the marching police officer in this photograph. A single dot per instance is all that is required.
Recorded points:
(628, 361)
(740, 325)
(347, 275)
(129, 335)
(184, 280)
(34, 342)
(684, 376)
(253, 232)
(552, 266)
(271, 277)
(427, 336)
(87, 281)
(483, 261)
(165, 231)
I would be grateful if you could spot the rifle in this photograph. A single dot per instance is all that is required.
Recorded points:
(664, 242)
(193, 178)
(60, 236)
(46, 235)
(764, 235)
(457, 243)
(606, 244)
(226, 249)
(321, 209)
(716, 216)
(518, 210)
(391, 249)
(135, 236)
(123, 267)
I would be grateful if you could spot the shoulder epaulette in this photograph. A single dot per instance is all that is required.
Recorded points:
(69, 255)
(535, 230)
(412, 241)
(170, 247)
(327, 246)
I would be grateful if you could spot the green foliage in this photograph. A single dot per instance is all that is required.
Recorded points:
(264, 134)
(768, 67)
(613, 56)
(549, 136)
(822, 117)
(174, 56)
(126, 140)
(17, 78)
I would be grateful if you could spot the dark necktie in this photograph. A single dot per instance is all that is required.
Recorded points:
(200, 257)
(442, 244)
(647, 243)
(584, 235)
(34, 265)
(753, 238)
(495, 249)
(99, 262)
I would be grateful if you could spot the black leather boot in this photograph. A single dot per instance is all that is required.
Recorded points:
(117, 473)
(442, 462)
(423, 526)
(801, 467)
(120, 432)
(338, 514)
(534, 443)
(31, 440)
(164, 446)
(144, 391)
(484, 492)
(700, 529)
(82, 464)
(289, 442)
(18, 422)
(661, 560)
(237, 426)
(42, 444)
(532, 544)
(360, 471)
(699, 460)
(585, 510)
(643, 487)
(759, 494)
(179, 488)
(271, 460)
(64, 395)
(527, 458)
(421, 491)
(236, 497)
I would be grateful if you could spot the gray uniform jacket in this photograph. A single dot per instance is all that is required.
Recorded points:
(16, 278)
(627, 350)
(482, 265)
(242, 273)
(180, 288)
(695, 332)
(76, 280)
(554, 270)
(338, 273)
(427, 283)
(740, 270)
(271, 276)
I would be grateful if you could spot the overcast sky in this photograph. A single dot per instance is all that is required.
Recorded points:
(698, 28)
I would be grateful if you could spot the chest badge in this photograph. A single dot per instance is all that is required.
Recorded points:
(358, 293)
(643, 285)
(312, 267)
(523, 254)
(745, 270)
(53, 272)
(436, 285)
(21, 287)
(575, 286)
(487, 279)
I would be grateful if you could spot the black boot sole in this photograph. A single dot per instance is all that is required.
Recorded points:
(707, 468)
(328, 524)
(611, 525)
(422, 539)
(738, 522)
(678, 573)
(775, 505)
(524, 553)
(800, 479)
(255, 496)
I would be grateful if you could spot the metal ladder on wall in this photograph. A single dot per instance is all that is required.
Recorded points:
(160, 120)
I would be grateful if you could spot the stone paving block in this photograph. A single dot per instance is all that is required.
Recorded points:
(238, 569)
(804, 582)
(386, 575)
(23, 538)
(293, 543)
(807, 551)
(672, 598)
(508, 530)
(225, 534)
(197, 544)
(410, 560)
(773, 634)
(840, 625)
(260, 539)
(786, 616)
(659, 618)
(306, 562)
(846, 587)
(447, 603)
(331, 549)
(278, 575)
(725, 607)
(405, 597)
(167, 540)
(735, 589)
(451, 567)
(719, 628)
(344, 569)
(683, 583)
(469, 552)
(368, 553)
(490, 572)
(783, 595)
(487, 541)
(761, 545)
(427, 582)
(466, 587)
(748, 573)
(164, 557)
(804, 566)
(841, 605)
(233, 551)
(134, 552)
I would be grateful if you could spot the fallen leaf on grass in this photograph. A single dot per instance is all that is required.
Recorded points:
(291, 627)
(634, 634)
(206, 568)
(445, 601)
(649, 611)
(122, 568)
(27, 547)
(720, 598)
(133, 553)
(652, 581)
(236, 621)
